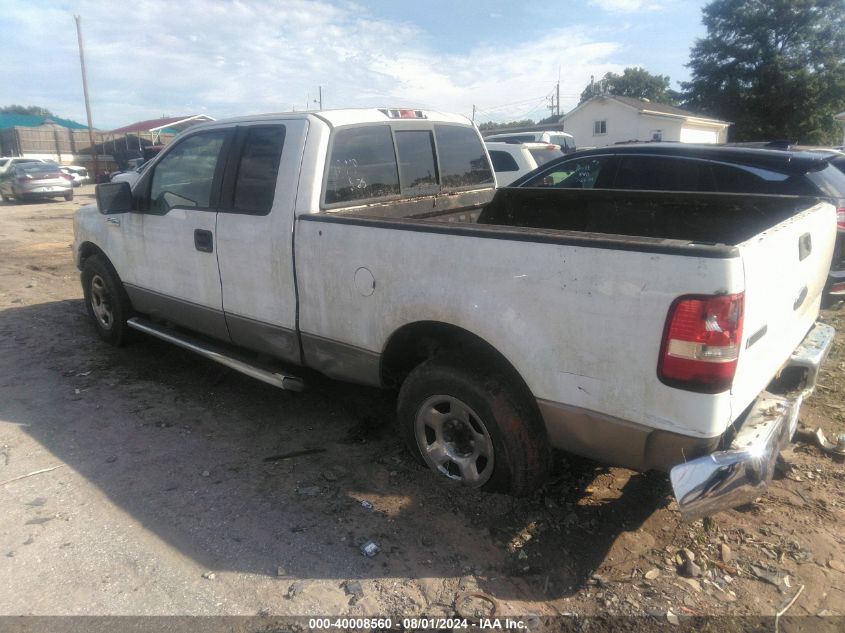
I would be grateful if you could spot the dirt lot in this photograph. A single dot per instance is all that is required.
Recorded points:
(161, 500)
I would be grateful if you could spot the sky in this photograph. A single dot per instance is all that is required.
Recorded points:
(152, 58)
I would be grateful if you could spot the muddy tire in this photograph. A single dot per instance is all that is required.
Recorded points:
(472, 425)
(106, 300)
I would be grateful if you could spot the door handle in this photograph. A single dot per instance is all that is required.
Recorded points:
(115, 221)
(203, 240)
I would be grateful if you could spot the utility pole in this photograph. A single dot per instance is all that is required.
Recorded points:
(85, 92)
(320, 89)
(473, 113)
(558, 97)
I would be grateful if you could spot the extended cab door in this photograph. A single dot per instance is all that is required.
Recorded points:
(255, 236)
(171, 267)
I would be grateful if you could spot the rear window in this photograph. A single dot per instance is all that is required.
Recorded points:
(502, 161)
(362, 165)
(830, 180)
(745, 179)
(417, 169)
(35, 168)
(542, 156)
(463, 162)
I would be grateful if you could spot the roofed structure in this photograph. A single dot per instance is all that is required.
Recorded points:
(155, 127)
(32, 120)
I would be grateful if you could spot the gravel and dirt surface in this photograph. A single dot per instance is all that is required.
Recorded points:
(157, 496)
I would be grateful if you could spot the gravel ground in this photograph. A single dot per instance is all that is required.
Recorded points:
(156, 495)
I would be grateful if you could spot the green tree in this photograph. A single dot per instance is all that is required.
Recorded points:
(31, 110)
(492, 125)
(634, 82)
(775, 68)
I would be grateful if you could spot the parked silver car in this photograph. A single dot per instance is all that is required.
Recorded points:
(35, 180)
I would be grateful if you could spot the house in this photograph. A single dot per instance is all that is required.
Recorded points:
(607, 119)
(841, 119)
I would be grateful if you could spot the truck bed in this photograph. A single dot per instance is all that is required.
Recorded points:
(574, 287)
(701, 218)
(668, 218)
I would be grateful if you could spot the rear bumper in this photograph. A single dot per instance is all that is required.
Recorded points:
(726, 479)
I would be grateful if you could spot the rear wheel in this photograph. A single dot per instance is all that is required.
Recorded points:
(471, 425)
(106, 300)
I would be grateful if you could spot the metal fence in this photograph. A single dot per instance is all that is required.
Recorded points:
(65, 145)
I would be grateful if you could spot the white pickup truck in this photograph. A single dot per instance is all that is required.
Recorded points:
(649, 330)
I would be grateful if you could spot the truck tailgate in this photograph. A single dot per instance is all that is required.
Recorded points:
(785, 270)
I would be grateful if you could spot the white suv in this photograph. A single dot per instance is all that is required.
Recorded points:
(566, 141)
(513, 160)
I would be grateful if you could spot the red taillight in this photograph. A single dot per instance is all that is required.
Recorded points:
(701, 343)
(840, 218)
(403, 113)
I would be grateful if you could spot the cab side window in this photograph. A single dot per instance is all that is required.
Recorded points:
(185, 176)
(663, 173)
(258, 167)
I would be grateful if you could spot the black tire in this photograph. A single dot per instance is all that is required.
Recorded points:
(69, 195)
(495, 405)
(106, 300)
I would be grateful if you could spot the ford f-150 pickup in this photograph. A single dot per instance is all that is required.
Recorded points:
(651, 330)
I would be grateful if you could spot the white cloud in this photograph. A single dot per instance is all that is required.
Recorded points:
(149, 59)
(627, 6)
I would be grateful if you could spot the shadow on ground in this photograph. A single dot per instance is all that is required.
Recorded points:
(180, 444)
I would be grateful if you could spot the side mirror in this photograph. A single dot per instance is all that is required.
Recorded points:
(114, 197)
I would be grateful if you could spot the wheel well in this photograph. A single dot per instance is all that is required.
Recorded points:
(86, 250)
(415, 343)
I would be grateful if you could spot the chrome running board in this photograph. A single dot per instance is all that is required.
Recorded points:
(217, 354)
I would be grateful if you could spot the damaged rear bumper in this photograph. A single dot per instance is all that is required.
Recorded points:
(726, 479)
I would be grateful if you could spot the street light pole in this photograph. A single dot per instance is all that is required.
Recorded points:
(85, 92)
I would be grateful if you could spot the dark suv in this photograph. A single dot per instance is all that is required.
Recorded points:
(713, 168)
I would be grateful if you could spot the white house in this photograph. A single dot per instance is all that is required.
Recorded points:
(608, 119)
(841, 119)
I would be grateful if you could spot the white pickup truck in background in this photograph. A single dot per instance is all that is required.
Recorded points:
(650, 330)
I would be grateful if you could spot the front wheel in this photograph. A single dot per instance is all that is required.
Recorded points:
(472, 425)
(106, 300)
(69, 195)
